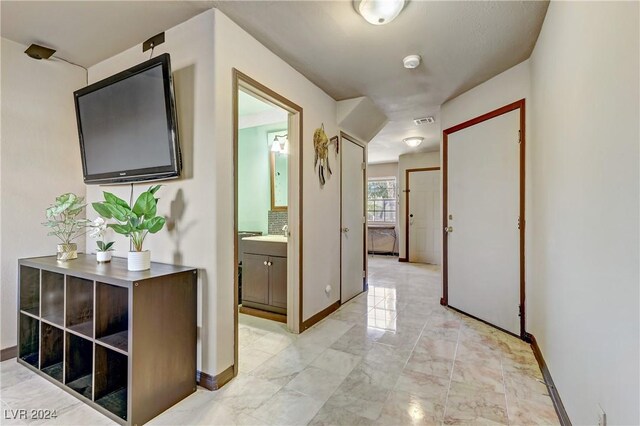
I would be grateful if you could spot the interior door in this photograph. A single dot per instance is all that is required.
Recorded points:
(425, 236)
(352, 220)
(483, 262)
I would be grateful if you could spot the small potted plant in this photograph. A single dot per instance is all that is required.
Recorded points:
(134, 222)
(103, 250)
(63, 218)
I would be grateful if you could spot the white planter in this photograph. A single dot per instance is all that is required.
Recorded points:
(103, 256)
(139, 260)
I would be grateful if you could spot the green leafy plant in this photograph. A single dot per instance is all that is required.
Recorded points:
(63, 218)
(102, 246)
(134, 222)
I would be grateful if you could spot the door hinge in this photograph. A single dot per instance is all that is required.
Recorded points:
(520, 223)
(519, 310)
(364, 274)
(519, 136)
(364, 219)
(364, 166)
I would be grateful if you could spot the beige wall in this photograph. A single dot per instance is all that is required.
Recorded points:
(204, 50)
(582, 203)
(193, 240)
(234, 48)
(39, 159)
(583, 293)
(411, 161)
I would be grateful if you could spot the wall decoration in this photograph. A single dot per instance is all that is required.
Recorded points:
(321, 147)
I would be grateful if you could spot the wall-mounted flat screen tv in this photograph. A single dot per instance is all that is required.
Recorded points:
(127, 125)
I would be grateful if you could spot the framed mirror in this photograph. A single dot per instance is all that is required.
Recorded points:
(279, 167)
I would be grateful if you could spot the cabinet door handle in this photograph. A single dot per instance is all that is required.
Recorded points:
(269, 263)
(265, 263)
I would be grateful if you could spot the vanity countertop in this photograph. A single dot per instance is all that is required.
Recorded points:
(267, 238)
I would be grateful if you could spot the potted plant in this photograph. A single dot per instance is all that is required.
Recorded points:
(134, 222)
(64, 221)
(103, 250)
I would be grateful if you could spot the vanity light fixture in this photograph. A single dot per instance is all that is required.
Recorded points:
(413, 141)
(379, 12)
(278, 146)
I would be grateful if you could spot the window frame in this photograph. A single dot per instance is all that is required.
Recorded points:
(383, 200)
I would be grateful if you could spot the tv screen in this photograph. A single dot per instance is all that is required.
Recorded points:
(127, 125)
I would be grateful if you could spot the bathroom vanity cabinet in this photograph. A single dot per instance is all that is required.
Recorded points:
(264, 274)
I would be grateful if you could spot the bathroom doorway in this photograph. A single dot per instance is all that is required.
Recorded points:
(267, 205)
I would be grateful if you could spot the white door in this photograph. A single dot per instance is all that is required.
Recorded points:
(352, 222)
(483, 207)
(425, 234)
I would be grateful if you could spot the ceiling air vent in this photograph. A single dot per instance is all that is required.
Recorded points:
(424, 120)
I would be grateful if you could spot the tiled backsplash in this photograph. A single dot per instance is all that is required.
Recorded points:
(276, 221)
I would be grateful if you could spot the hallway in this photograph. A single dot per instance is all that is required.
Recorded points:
(393, 356)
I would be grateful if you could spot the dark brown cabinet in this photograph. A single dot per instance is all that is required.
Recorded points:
(264, 276)
(123, 342)
(256, 279)
(278, 282)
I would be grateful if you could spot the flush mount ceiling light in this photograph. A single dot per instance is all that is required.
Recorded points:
(411, 61)
(413, 142)
(379, 12)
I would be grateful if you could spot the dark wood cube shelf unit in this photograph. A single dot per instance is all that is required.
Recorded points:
(123, 342)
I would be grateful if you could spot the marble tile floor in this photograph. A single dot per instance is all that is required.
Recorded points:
(391, 356)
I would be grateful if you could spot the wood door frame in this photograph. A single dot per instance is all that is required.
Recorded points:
(521, 105)
(365, 265)
(241, 80)
(406, 203)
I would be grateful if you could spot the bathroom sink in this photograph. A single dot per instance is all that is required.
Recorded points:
(267, 238)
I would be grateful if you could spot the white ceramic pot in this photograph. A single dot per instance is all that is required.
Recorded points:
(139, 260)
(103, 256)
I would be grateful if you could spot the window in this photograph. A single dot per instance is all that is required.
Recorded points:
(382, 200)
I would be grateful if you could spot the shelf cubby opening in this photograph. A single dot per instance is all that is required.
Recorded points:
(112, 316)
(111, 380)
(79, 372)
(30, 290)
(53, 297)
(52, 351)
(29, 340)
(80, 305)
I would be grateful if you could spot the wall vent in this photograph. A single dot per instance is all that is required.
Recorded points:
(424, 120)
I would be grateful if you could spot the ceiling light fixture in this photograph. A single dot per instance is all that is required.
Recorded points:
(413, 141)
(379, 12)
(412, 61)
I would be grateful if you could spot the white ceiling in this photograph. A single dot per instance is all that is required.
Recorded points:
(462, 44)
(88, 32)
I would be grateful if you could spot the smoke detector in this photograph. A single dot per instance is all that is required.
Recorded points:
(424, 120)
(411, 61)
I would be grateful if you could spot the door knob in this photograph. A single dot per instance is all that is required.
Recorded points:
(448, 229)
(345, 230)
